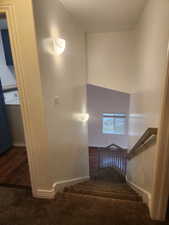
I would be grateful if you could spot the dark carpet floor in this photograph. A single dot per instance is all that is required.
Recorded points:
(89, 203)
(108, 174)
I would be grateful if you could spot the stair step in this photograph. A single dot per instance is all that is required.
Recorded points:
(130, 203)
(107, 185)
(107, 190)
(135, 213)
(114, 189)
(105, 194)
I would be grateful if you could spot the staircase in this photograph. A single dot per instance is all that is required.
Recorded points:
(107, 199)
(103, 190)
(105, 202)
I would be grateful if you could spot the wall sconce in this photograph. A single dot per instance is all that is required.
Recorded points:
(59, 45)
(84, 117)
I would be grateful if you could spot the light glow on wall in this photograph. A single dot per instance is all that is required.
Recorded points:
(83, 117)
(54, 46)
(59, 45)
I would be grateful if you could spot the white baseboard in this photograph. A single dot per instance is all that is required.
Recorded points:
(19, 144)
(48, 194)
(146, 196)
(59, 186)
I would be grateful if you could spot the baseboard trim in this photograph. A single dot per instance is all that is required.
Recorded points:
(59, 186)
(146, 196)
(19, 145)
(47, 194)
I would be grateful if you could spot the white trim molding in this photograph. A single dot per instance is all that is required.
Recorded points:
(59, 187)
(161, 173)
(146, 196)
(28, 78)
(19, 145)
(46, 194)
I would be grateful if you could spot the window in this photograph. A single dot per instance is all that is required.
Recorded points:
(11, 96)
(114, 123)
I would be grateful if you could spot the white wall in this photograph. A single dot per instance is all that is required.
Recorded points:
(63, 76)
(99, 101)
(145, 108)
(7, 74)
(112, 60)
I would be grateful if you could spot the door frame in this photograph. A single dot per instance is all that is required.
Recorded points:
(20, 19)
(160, 190)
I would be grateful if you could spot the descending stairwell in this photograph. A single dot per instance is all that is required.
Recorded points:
(95, 202)
(106, 199)
(101, 190)
(104, 202)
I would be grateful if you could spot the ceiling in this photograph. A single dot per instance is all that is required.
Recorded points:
(105, 15)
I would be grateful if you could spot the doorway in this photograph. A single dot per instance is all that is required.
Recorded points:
(13, 156)
(107, 133)
(25, 56)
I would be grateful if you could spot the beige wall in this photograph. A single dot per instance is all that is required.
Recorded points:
(103, 100)
(111, 60)
(63, 76)
(145, 108)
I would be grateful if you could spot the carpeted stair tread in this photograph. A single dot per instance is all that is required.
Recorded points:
(103, 183)
(112, 174)
(105, 194)
(18, 207)
(106, 185)
(105, 200)
(114, 189)
(101, 191)
(134, 206)
(108, 211)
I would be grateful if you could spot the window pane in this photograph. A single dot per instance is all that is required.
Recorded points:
(108, 125)
(114, 123)
(114, 115)
(120, 125)
(11, 98)
(108, 114)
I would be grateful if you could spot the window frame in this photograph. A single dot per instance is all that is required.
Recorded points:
(115, 116)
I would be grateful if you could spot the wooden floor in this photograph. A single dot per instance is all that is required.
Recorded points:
(14, 170)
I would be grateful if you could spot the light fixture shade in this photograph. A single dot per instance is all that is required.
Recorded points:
(84, 117)
(59, 45)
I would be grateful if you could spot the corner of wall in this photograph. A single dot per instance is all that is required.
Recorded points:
(146, 196)
(59, 187)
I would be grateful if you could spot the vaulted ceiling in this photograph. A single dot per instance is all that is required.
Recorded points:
(106, 15)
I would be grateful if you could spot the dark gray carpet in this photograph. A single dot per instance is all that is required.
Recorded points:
(108, 200)
(17, 207)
